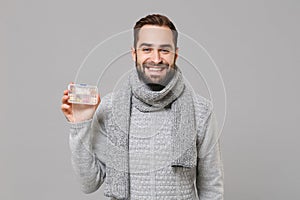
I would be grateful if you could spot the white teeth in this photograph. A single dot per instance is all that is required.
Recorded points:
(154, 69)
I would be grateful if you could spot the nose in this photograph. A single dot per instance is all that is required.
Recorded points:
(155, 57)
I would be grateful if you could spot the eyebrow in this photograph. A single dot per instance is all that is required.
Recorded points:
(150, 45)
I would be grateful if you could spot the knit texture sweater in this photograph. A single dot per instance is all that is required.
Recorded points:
(151, 175)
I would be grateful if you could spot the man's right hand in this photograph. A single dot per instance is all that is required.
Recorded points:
(77, 112)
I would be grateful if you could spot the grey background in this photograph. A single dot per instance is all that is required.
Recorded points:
(254, 43)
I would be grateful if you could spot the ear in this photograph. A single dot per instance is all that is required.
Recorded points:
(133, 53)
(176, 54)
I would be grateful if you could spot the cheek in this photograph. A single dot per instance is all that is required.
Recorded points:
(169, 59)
(142, 59)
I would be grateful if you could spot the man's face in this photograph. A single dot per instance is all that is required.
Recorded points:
(155, 54)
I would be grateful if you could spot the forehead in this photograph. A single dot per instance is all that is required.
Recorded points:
(155, 35)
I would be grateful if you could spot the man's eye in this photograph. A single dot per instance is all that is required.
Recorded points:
(146, 50)
(165, 50)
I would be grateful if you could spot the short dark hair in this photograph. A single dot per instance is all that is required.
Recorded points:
(154, 19)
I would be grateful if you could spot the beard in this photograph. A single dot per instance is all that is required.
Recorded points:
(161, 82)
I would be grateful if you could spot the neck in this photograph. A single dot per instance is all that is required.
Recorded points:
(155, 87)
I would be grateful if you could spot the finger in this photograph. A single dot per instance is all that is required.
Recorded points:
(66, 92)
(64, 99)
(66, 108)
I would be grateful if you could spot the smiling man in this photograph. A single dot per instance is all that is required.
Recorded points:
(155, 53)
(153, 138)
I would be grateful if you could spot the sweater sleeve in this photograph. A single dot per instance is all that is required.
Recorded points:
(87, 143)
(209, 181)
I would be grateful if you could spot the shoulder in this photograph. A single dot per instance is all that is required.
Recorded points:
(203, 109)
(105, 106)
(202, 104)
(106, 101)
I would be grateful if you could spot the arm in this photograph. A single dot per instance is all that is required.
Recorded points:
(87, 143)
(89, 169)
(84, 133)
(210, 175)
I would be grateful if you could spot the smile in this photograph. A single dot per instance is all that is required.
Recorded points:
(156, 69)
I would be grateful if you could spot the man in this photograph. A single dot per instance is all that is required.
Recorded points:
(153, 138)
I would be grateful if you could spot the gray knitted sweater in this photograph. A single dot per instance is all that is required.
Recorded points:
(151, 175)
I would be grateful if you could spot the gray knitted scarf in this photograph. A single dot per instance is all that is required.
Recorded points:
(174, 95)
